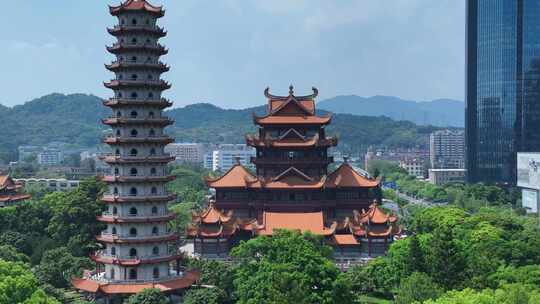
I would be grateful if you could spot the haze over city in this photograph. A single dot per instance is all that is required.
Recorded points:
(227, 52)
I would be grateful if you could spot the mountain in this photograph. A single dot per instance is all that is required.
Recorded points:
(439, 112)
(75, 119)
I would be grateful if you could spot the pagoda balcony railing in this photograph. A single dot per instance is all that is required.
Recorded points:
(100, 277)
(141, 81)
(288, 160)
(138, 99)
(136, 237)
(158, 214)
(145, 62)
(136, 44)
(105, 254)
(137, 27)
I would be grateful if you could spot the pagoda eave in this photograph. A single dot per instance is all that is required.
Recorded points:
(117, 103)
(136, 240)
(120, 30)
(140, 140)
(119, 84)
(135, 219)
(137, 179)
(113, 121)
(117, 67)
(136, 160)
(119, 49)
(111, 199)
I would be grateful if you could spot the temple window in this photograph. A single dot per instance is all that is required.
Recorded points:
(118, 133)
(133, 231)
(133, 114)
(117, 152)
(150, 95)
(151, 114)
(113, 230)
(152, 133)
(134, 58)
(134, 41)
(153, 171)
(122, 21)
(133, 274)
(147, 21)
(116, 171)
(134, 95)
(150, 77)
(153, 191)
(115, 191)
(152, 151)
(292, 196)
(134, 76)
(113, 250)
(134, 21)
(119, 94)
(114, 211)
(156, 273)
(118, 114)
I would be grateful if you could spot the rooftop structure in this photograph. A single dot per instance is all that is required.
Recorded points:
(11, 191)
(291, 188)
(138, 247)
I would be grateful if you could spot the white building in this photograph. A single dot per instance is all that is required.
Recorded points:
(27, 151)
(226, 155)
(50, 157)
(447, 149)
(443, 176)
(528, 179)
(53, 184)
(414, 167)
(186, 152)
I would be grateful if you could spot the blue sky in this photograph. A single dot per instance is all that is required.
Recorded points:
(227, 51)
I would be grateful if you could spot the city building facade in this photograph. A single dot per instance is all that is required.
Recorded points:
(415, 167)
(292, 187)
(52, 184)
(502, 91)
(225, 156)
(138, 247)
(447, 149)
(50, 157)
(186, 152)
(444, 176)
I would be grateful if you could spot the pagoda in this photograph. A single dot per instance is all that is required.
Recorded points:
(11, 192)
(139, 250)
(293, 188)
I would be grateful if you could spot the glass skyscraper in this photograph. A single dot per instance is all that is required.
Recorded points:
(502, 86)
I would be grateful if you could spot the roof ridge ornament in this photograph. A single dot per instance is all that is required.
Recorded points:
(291, 94)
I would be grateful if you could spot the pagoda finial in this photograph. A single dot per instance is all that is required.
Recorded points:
(291, 90)
(237, 160)
(346, 159)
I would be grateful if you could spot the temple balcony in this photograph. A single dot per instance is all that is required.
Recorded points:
(127, 260)
(174, 273)
(131, 29)
(157, 121)
(118, 48)
(161, 103)
(116, 66)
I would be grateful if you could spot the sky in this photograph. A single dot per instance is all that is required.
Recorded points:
(227, 51)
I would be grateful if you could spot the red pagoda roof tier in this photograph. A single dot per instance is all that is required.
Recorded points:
(116, 103)
(136, 179)
(292, 120)
(115, 239)
(211, 216)
(118, 84)
(236, 177)
(119, 48)
(114, 121)
(117, 66)
(375, 215)
(145, 29)
(112, 199)
(137, 5)
(291, 142)
(111, 140)
(343, 239)
(301, 221)
(14, 197)
(136, 219)
(110, 288)
(114, 159)
(346, 177)
(133, 261)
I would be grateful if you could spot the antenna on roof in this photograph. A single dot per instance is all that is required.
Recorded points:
(345, 159)
(291, 90)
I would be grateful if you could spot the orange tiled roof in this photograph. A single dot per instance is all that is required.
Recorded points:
(345, 176)
(293, 120)
(212, 216)
(291, 142)
(344, 239)
(375, 215)
(236, 177)
(15, 197)
(136, 5)
(293, 178)
(302, 221)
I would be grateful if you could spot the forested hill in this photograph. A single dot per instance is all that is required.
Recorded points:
(75, 119)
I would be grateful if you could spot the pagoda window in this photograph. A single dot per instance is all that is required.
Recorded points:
(133, 191)
(113, 250)
(133, 231)
(147, 21)
(133, 211)
(119, 94)
(133, 152)
(150, 77)
(133, 172)
(133, 274)
(151, 114)
(120, 76)
(152, 133)
(134, 95)
(134, 21)
(115, 191)
(122, 21)
(150, 95)
(156, 273)
(155, 250)
(153, 171)
(154, 210)
(134, 41)
(147, 40)
(133, 114)
(148, 59)
(134, 133)
(114, 211)
(155, 230)
(152, 151)
(292, 196)
(118, 114)
(134, 58)
(134, 76)
(117, 152)
(116, 171)
(153, 191)
(112, 273)
(118, 133)
(133, 252)
(113, 231)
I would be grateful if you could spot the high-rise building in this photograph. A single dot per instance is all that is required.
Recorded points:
(50, 157)
(226, 155)
(186, 152)
(503, 86)
(447, 149)
(139, 250)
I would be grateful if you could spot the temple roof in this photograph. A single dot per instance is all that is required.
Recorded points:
(343, 239)
(236, 177)
(293, 120)
(346, 177)
(7, 183)
(301, 221)
(375, 215)
(291, 141)
(136, 5)
(212, 216)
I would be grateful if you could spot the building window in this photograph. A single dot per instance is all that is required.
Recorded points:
(113, 250)
(151, 114)
(133, 231)
(133, 211)
(153, 191)
(155, 250)
(152, 151)
(134, 41)
(154, 210)
(133, 172)
(134, 21)
(152, 133)
(118, 133)
(133, 114)
(134, 58)
(118, 114)
(156, 273)
(155, 230)
(114, 211)
(134, 133)
(133, 152)
(113, 230)
(133, 76)
(116, 171)
(115, 191)
(117, 152)
(153, 171)
(133, 191)
(134, 95)
(133, 252)
(150, 95)
(133, 274)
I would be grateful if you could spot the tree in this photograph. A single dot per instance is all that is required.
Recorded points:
(59, 265)
(416, 255)
(149, 296)
(205, 296)
(215, 273)
(288, 268)
(10, 253)
(18, 285)
(445, 260)
(417, 287)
